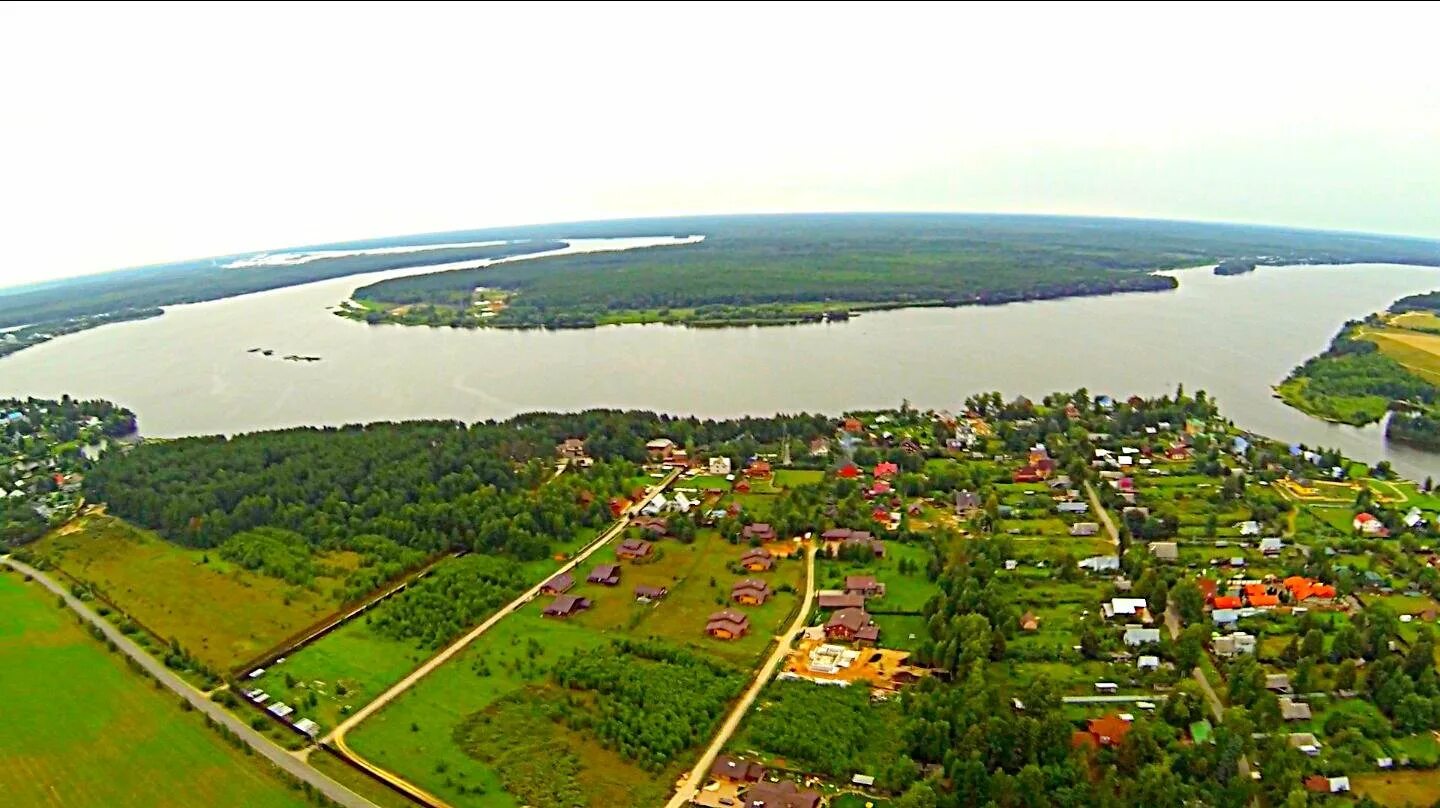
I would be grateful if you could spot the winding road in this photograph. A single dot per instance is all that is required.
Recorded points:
(281, 758)
(692, 782)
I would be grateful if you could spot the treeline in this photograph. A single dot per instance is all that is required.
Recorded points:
(835, 731)
(654, 701)
(1337, 382)
(194, 281)
(1414, 428)
(453, 598)
(761, 268)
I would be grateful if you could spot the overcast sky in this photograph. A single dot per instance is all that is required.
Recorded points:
(139, 134)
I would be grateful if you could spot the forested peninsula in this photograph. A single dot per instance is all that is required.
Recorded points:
(1388, 362)
(764, 270)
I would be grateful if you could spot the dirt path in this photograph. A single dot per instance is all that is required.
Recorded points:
(281, 758)
(1104, 515)
(693, 781)
(336, 737)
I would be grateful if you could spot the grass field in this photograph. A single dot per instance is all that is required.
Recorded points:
(353, 657)
(414, 735)
(1419, 353)
(518, 654)
(220, 613)
(1399, 788)
(79, 729)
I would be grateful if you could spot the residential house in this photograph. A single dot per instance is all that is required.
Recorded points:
(719, 466)
(852, 624)
(1305, 742)
(1292, 710)
(1109, 730)
(605, 574)
(572, 448)
(1073, 508)
(1165, 550)
(1233, 644)
(1414, 519)
(566, 605)
(658, 504)
(734, 770)
(1085, 529)
(827, 599)
(885, 471)
(864, 586)
(760, 531)
(1320, 784)
(558, 585)
(634, 548)
(1148, 663)
(727, 625)
(819, 447)
(646, 593)
(1100, 564)
(1370, 526)
(758, 469)
(784, 794)
(1126, 607)
(1271, 546)
(1224, 617)
(1251, 528)
(1278, 682)
(660, 449)
(849, 471)
(1136, 637)
(967, 504)
(1226, 602)
(757, 559)
(750, 592)
(1029, 622)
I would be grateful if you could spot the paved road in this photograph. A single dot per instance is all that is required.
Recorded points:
(259, 743)
(698, 775)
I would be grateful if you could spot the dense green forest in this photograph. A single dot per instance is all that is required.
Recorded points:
(455, 597)
(145, 288)
(1353, 382)
(791, 268)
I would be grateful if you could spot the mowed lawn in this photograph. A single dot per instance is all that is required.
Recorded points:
(1398, 788)
(78, 728)
(221, 614)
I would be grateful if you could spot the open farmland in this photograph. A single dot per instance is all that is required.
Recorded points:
(105, 739)
(218, 612)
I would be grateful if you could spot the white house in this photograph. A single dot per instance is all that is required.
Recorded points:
(682, 503)
(720, 466)
(1369, 525)
(655, 506)
(1271, 546)
(1100, 563)
(1136, 637)
(1148, 663)
(1125, 607)
(1251, 528)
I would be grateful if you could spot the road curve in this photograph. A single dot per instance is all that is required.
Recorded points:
(253, 739)
(692, 783)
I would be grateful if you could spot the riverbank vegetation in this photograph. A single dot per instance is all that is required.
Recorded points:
(808, 268)
(1387, 362)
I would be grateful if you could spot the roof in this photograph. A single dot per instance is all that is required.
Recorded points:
(860, 582)
(736, 769)
(750, 586)
(1223, 602)
(1127, 605)
(784, 794)
(840, 600)
(566, 605)
(1224, 615)
(1292, 710)
(1201, 731)
(1277, 681)
(1141, 636)
(1109, 729)
(1165, 550)
(850, 619)
(734, 622)
(560, 582)
(652, 592)
(636, 546)
(605, 572)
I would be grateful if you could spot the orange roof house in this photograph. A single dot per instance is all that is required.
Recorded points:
(853, 425)
(849, 471)
(1264, 600)
(1255, 590)
(758, 470)
(1227, 602)
(1108, 730)
(1208, 588)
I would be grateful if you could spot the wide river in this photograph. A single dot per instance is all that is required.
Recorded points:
(189, 371)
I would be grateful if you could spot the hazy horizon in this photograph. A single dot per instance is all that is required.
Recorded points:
(216, 130)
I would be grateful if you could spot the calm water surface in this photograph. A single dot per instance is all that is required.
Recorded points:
(188, 372)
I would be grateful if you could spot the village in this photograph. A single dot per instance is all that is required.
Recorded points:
(1175, 572)
(46, 451)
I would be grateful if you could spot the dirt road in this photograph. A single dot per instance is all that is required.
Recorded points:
(697, 776)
